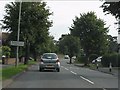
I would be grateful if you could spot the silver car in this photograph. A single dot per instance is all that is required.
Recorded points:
(49, 61)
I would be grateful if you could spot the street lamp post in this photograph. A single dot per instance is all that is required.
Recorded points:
(119, 36)
(16, 64)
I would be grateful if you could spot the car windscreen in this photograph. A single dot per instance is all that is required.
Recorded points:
(49, 56)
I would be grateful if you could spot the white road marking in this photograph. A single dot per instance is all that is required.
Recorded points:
(66, 69)
(73, 72)
(104, 89)
(62, 66)
(87, 80)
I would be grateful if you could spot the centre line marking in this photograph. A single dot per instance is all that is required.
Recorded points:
(66, 69)
(104, 89)
(62, 66)
(73, 72)
(87, 80)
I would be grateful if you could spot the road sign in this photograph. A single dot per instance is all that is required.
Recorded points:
(17, 43)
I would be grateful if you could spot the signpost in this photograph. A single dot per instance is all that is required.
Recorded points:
(17, 43)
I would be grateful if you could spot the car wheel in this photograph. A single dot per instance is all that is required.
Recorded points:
(40, 69)
(58, 69)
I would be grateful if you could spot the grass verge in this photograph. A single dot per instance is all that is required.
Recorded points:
(11, 71)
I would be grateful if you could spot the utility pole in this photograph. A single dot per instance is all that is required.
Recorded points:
(17, 50)
(119, 36)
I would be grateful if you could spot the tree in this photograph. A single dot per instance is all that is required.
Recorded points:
(113, 46)
(112, 8)
(34, 24)
(91, 32)
(69, 45)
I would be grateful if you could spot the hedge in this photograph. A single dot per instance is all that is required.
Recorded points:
(111, 58)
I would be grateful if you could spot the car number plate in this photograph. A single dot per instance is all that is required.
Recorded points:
(50, 66)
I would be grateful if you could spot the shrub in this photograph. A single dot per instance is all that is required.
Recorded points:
(113, 58)
(82, 59)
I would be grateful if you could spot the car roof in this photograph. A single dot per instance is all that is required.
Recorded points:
(49, 53)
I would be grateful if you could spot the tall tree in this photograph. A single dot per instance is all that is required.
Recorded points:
(69, 45)
(91, 32)
(112, 8)
(113, 46)
(34, 23)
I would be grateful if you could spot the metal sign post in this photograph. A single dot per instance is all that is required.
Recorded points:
(16, 63)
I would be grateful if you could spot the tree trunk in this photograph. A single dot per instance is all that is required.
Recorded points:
(70, 60)
(26, 53)
(86, 61)
(35, 56)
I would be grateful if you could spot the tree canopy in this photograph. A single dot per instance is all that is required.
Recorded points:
(34, 24)
(91, 32)
(69, 45)
(112, 8)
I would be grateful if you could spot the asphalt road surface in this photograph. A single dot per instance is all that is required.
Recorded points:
(70, 76)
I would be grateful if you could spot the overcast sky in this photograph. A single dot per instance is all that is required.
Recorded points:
(65, 11)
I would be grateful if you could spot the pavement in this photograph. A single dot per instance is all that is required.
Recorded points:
(114, 71)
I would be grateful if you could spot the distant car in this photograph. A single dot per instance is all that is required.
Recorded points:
(97, 59)
(74, 57)
(49, 61)
(66, 57)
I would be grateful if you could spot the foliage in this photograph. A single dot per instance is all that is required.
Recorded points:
(0, 52)
(6, 51)
(34, 24)
(91, 32)
(69, 45)
(82, 59)
(112, 8)
(113, 45)
(113, 58)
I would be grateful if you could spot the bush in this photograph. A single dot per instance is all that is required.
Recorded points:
(81, 59)
(113, 58)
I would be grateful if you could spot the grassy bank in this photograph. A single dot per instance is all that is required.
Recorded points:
(11, 71)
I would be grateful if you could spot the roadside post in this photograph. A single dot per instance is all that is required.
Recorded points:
(17, 49)
(97, 65)
(110, 67)
(3, 59)
(17, 44)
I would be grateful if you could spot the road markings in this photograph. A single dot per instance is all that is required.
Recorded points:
(104, 89)
(66, 69)
(61, 66)
(87, 80)
(73, 72)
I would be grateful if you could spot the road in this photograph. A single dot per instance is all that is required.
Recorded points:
(70, 76)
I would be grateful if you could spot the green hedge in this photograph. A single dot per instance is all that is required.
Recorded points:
(113, 58)
(81, 59)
